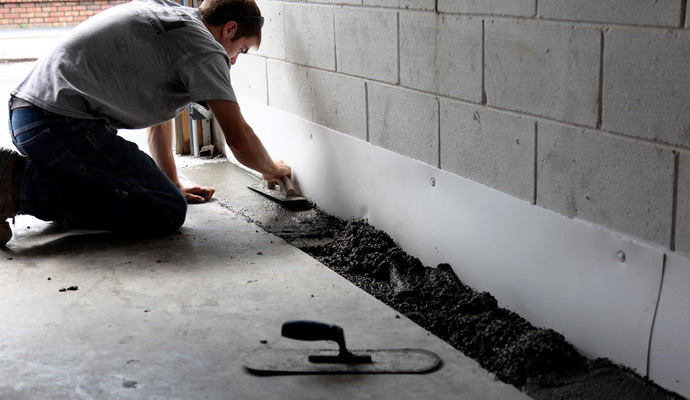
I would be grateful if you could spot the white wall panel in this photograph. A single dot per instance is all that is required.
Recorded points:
(669, 361)
(554, 271)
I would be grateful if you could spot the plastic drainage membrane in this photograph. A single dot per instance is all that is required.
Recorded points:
(600, 291)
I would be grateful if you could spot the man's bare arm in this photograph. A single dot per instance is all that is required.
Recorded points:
(245, 145)
(160, 138)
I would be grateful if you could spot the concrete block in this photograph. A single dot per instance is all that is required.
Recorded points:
(614, 183)
(404, 121)
(334, 101)
(273, 32)
(520, 8)
(646, 84)
(636, 12)
(441, 54)
(367, 43)
(428, 5)
(683, 208)
(248, 77)
(289, 88)
(546, 69)
(339, 103)
(309, 36)
(489, 147)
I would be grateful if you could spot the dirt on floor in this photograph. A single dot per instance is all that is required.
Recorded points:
(538, 361)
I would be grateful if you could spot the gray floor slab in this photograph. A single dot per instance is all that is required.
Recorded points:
(168, 318)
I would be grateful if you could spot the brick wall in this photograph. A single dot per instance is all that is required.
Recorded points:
(35, 14)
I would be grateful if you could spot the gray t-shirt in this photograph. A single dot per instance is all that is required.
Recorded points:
(134, 65)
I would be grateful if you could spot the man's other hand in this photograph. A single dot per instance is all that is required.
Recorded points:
(197, 194)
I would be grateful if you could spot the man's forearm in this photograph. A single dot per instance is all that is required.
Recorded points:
(252, 154)
(160, 138)
(245, 145)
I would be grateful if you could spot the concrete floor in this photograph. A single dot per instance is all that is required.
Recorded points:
(168, 318)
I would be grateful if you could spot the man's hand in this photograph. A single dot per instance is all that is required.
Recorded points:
(281, 169)
(197, 194)
(160, 139)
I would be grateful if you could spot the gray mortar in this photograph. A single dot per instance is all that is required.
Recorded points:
(538, 361)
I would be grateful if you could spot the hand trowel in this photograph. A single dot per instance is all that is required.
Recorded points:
(282, 190)
(270, 361)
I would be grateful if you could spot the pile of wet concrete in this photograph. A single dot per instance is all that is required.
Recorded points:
(538, 361)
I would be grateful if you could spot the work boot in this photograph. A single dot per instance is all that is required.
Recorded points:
(12, 166)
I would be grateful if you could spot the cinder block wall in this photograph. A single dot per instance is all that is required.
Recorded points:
(578, 106)
(50, 13)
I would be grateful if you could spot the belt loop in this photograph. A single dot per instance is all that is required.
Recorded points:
(16, 102)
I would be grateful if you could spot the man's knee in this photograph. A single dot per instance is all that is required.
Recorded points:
(164, 219)
(176, 215)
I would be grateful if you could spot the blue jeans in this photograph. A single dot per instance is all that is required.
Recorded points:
(83, 175)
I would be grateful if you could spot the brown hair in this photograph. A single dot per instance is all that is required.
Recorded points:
(220, 12)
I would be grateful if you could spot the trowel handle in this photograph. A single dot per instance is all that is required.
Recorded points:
(287, 186)
(313, 330)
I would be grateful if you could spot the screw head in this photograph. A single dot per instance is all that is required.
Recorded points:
(433, 182)
(620, 256)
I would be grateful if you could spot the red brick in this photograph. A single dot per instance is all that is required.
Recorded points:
(11, 10)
